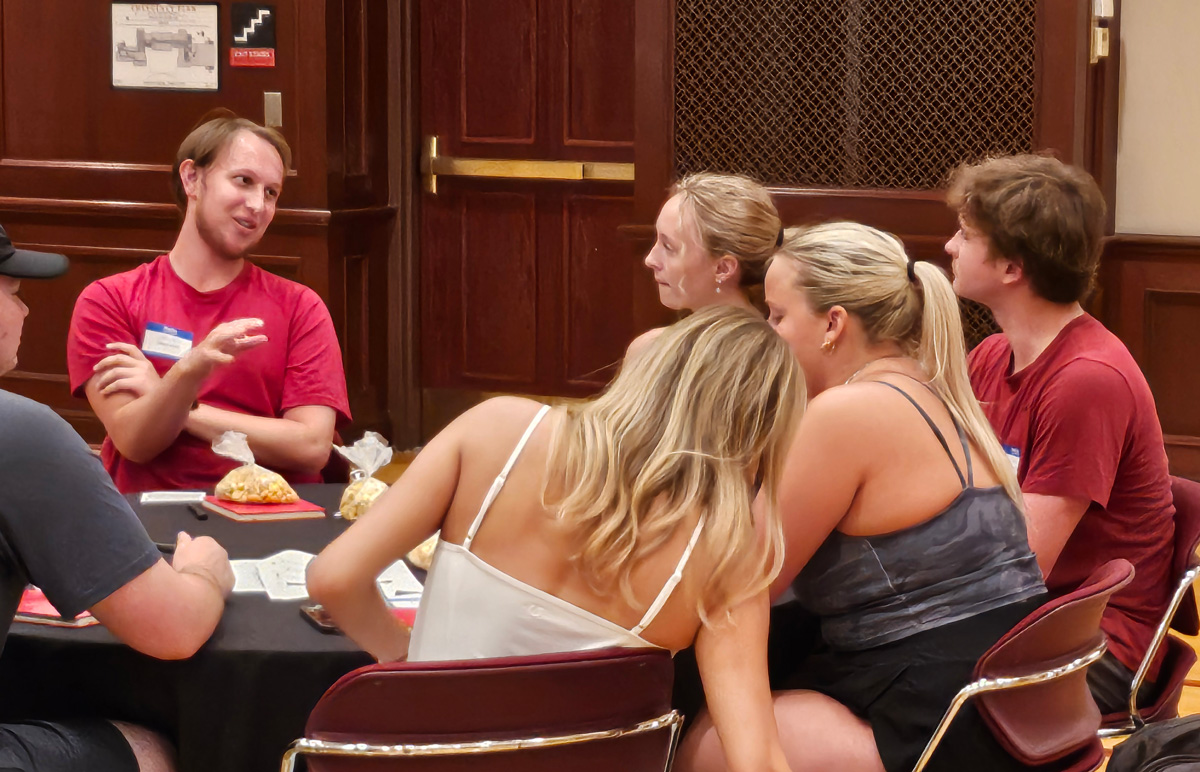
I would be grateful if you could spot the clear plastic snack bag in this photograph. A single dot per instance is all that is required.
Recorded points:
(366, 457)
(421, 555)
(249, 483)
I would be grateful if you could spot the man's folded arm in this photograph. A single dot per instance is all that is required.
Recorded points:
(145, 425)
(298, 441)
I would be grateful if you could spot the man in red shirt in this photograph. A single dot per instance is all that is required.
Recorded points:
(1066, 398)
(200, 341)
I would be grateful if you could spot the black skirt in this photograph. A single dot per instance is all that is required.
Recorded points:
(902, 689)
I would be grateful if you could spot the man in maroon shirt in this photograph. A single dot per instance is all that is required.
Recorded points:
(200, 341)
(1066, 398)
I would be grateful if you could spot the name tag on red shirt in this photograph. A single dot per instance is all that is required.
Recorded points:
(159, 340)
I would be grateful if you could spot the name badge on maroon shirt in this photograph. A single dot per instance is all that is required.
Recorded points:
(159, 340)
(1014, 457)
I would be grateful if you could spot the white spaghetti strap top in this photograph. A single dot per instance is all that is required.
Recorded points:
(472, 610)
(501, 478)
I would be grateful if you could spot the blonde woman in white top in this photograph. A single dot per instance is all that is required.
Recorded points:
(571, 523)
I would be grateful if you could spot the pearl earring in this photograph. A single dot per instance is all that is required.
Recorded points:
(719, 285)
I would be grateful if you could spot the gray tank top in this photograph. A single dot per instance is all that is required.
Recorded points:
(971, 557)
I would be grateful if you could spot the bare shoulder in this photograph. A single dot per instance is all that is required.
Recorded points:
(642, 342)
(492, 418)
(853, 417)
(857, 404)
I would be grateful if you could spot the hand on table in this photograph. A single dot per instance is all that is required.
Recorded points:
(204, 557)
(127, 369)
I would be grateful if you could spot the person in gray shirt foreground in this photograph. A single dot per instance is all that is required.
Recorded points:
(65, 528)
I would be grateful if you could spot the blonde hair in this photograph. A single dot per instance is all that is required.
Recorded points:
(680, 432)
(734, 216)
(865, 271)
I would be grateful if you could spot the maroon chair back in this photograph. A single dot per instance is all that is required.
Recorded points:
(502, 699)
(1186, 494)
(1049, 721)
(1172, 676)
(1178, 657)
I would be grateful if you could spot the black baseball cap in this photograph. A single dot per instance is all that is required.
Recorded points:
(24, 264)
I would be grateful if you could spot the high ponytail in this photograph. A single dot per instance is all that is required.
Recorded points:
(866, 271)
(942, 352)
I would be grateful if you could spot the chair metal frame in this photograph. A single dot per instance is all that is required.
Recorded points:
(1160, 635)
(669, 721)
(1183, 585)
(984, 685)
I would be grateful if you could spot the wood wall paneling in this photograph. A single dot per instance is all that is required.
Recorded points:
(1171, 364)
(499, 86)
(1063, 46)
(599, 76)
(499, 287)
(1150, 297)
(64, 128)
(597, 279)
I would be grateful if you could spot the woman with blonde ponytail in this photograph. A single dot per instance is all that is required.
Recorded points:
(902, 520)
(623, 521)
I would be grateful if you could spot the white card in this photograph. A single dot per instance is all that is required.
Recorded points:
(397, 580)
(245, 576)
(172, 497)
(282, 574)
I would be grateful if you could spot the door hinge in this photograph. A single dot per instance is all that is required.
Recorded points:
(1102, 14)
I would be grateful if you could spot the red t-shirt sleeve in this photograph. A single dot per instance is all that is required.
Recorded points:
(1078, 433)
(315, 375)
(98, 319)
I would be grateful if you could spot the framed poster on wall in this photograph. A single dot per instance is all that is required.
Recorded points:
(170, 46)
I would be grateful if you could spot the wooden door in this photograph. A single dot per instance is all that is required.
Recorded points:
(525, 284)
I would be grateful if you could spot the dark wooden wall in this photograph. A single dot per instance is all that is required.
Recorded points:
(85, 169)
(1150, 297)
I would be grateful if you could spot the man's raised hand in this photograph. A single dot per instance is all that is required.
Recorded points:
(224, 344)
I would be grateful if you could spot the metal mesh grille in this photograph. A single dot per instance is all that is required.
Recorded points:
(977, 321)
(851, 93)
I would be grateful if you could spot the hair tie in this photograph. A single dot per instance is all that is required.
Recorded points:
(779, 238)
(912, 271)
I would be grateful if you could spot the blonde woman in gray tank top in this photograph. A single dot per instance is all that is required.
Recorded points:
(902, 518)
(624, 520)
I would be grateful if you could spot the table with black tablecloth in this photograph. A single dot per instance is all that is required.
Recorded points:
(239, 701)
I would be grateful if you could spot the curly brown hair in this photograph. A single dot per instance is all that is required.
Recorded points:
(1045, 215)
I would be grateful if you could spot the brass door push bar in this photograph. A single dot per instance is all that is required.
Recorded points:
(434, 165)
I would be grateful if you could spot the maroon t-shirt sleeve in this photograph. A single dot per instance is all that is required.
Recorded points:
(1074, 448)
(98, 319)
(314, 360)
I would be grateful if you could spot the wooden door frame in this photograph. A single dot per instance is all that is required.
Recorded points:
(403, 312)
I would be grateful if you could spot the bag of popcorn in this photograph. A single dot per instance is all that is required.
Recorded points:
(421, 555)
(366, 457)
(249, 483)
